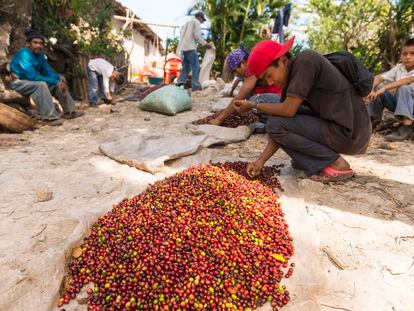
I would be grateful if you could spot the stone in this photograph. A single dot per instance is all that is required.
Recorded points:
(44, 195)
(41, 238)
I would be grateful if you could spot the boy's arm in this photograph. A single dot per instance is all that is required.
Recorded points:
(248, 85)
(105, 82)
(245, 90)
(233, 87)
(287, 108)
(392, 86)
(254, 168)
(378, 79)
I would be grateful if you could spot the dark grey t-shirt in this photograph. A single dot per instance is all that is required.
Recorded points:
(345, 119)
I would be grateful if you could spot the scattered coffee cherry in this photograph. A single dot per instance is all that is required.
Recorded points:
(267, 176)
(233, 121)
(206, 238)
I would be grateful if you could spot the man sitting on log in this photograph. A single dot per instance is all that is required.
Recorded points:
(32, 76)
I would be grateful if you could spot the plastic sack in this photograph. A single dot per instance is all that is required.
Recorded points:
(168, 100)
(207, 64)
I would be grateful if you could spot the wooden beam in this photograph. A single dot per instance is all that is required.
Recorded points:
(140, 21)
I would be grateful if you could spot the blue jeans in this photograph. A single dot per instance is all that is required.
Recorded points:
(402, 103)
(190, 63)
(41, 93)
(95, 87)
(271, 98)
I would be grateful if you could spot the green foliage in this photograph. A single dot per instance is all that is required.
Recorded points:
(397, 29)
(52, 18)
(171, 45)
(83, 22)
(236, 21)
(370, 29)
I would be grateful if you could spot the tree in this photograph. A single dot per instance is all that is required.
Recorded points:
(236, 21)
(398, 28)
(84, 22)
(371, 29)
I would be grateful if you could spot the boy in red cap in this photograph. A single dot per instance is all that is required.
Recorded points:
(314, 143)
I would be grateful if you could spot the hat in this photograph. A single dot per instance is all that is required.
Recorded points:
(200, 14)
(244, 51)
(236, 56)
(234, 59)
(32, 34)
(264, 53)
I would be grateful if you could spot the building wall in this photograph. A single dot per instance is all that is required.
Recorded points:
(140, 59)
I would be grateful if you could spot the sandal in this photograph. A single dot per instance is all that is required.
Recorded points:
(329, 174)
(73, 114)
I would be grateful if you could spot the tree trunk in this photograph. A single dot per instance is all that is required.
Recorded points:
(15, 17)
(18, 15)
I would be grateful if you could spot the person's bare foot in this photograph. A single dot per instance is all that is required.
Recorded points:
(214, 122)
(340, 165)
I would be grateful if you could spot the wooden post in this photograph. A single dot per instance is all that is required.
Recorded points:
(83, 64)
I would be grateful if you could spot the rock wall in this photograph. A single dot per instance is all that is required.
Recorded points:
(15, 18)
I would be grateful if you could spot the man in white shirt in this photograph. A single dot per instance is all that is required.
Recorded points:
(189, 37)
(102, 76)
(401, 77)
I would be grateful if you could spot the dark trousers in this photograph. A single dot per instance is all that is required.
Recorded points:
(301, 137)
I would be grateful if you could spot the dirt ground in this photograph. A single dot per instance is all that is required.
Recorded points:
(354, 241)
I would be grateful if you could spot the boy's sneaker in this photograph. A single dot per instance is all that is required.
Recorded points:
(403, 133)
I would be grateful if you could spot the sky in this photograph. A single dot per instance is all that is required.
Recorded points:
(175, 12)
(161, 12)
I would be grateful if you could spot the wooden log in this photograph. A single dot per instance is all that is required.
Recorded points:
(10, 96)
(14, 120)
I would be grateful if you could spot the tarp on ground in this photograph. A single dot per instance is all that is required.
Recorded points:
(149, 152)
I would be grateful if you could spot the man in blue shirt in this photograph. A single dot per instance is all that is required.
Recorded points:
(32, 76)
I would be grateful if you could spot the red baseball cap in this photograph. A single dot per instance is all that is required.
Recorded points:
(264, 53)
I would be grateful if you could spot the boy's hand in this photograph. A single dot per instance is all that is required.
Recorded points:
(242, 106)
(374, 95)
(254, 168)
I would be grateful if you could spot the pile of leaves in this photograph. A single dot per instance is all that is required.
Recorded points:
(206, 238)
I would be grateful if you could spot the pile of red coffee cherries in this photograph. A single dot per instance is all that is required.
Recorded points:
(207, 238)
(233, 121)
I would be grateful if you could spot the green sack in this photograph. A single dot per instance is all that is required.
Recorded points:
(168, 100)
